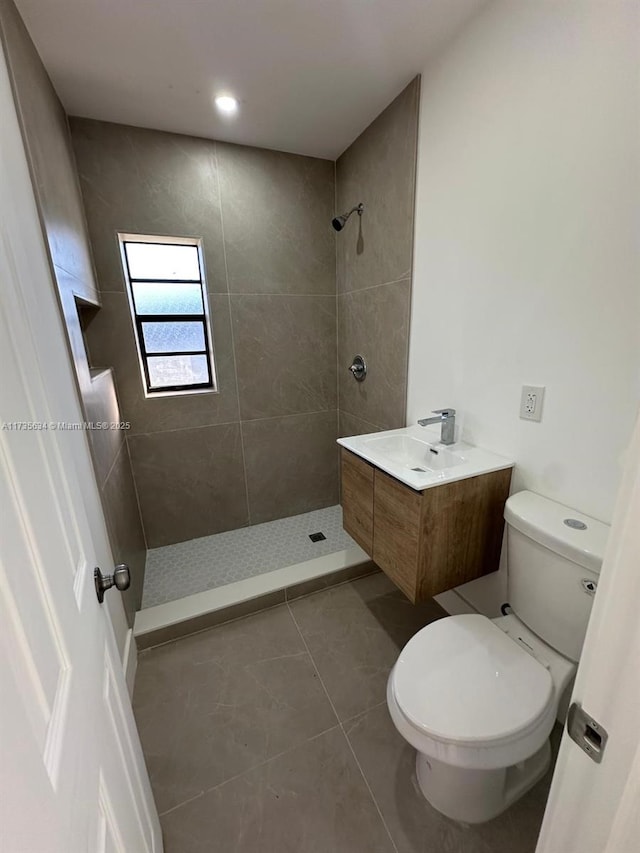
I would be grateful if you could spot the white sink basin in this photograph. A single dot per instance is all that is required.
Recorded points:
(413, 453)
(415, 457)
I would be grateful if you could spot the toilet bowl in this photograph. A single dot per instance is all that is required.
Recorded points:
(477, 697)
(478, 707)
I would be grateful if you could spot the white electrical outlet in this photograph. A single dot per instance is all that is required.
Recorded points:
(531, 402)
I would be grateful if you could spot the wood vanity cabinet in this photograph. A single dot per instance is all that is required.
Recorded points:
(426, 542)
(357, 499)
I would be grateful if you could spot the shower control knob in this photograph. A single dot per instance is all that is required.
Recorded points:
(121, 579)
(359, 368)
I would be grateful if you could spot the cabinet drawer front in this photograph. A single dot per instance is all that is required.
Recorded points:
(357, 499)
(396, 542)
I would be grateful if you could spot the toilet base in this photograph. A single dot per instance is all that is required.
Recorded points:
(476, 796)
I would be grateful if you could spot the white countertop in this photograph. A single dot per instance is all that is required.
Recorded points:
(415, 456)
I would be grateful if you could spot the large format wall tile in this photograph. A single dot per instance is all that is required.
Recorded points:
(378, 169)
(147, 182)
(190, 481)
(280, 255)
(60, 205)
(374, 257)
(375, 323)
(291, 464)
(277, 211)
(46, 136)
(111, 341)
(101, 405)
(285, 354)
(351, 425)
(120, 504)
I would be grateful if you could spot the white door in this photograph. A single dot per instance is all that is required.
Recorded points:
(595, 808)
(72, 775)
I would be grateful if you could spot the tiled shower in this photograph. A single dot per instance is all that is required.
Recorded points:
(212, 462)
(291, 302)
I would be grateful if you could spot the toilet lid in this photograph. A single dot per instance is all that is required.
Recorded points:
(461, 679)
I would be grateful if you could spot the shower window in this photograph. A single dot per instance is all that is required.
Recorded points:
(168, 299)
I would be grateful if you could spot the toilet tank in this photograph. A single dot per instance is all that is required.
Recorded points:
(553, 568)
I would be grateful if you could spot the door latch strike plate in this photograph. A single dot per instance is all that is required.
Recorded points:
(587, 732)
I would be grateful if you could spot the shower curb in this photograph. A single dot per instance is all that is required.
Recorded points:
(164, 623)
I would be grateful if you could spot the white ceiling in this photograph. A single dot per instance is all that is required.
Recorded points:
(310, 74)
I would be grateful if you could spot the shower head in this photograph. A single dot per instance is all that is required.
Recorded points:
(339, 222)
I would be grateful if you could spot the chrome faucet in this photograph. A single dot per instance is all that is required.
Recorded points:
(446, 417)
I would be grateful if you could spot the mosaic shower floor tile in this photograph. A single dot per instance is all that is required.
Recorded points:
(185, 568)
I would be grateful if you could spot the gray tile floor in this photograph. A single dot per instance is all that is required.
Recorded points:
(271, 735)
(174, 571)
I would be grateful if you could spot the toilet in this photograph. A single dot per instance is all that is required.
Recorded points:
(478, 697)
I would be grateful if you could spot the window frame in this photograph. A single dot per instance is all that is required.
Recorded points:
(211, 386)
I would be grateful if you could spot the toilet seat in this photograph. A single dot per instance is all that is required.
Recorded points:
(466, 693)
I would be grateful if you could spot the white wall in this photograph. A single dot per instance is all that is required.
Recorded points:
(527, 248)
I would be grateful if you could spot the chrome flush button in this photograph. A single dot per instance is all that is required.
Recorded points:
(575, 524)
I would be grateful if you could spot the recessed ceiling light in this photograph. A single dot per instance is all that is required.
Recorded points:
(226, 104)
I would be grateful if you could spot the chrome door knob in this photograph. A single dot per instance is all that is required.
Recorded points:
(121, 579)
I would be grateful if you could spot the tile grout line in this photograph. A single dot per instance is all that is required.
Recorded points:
(233, 341)
(362, 713)
(183, 803)
(244, 471)
(256, 613)
(295, 622)
(212, 627)
(251, 769)
(344, 734)
(134, 481)
(414, 179)
(366, 782)
(335, 243)
(269, 294)
(113, 464)
(406, 277)
(239, 421)
(240, 294)
(325, 589)
(139, 505)
(368, 423)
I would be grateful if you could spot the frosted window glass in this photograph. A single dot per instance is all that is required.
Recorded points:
(162, 261)
(154, 298)
(167, 371)
(173, 337)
